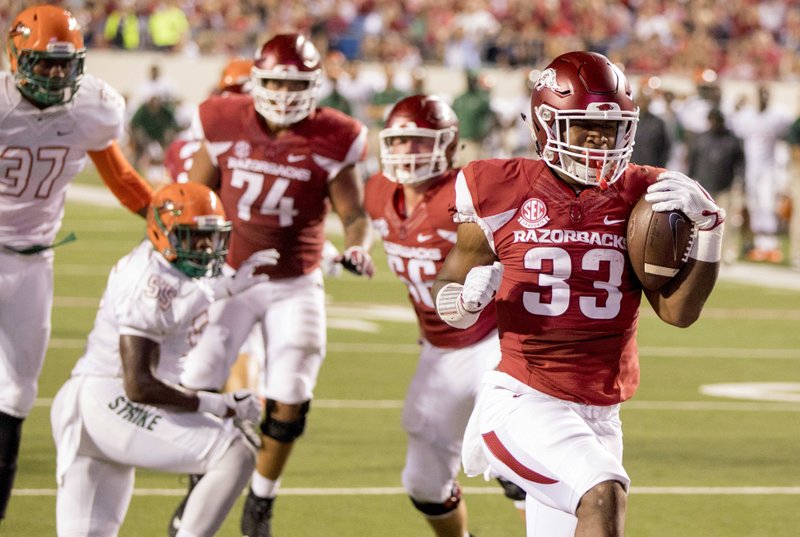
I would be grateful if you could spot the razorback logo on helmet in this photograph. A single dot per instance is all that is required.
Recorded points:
(548, 80)
(533, 214)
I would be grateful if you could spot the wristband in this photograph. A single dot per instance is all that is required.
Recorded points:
(213, 403)
(450, 307)
(707, 245)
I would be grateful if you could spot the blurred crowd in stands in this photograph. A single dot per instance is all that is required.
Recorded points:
(742, 39)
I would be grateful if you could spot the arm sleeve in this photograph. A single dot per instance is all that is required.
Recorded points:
(121, 178)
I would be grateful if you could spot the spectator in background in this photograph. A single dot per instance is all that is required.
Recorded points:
(761, 128)
(716, 161)
(473, 108)
(793, 138)
(122, 28)
(169, 26)
(383, 99)
(334, 70)
(653, 144)
(153, 127)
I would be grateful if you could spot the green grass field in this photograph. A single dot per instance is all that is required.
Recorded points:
(701, 465)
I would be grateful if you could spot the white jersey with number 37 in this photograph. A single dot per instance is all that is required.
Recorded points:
(42, 150)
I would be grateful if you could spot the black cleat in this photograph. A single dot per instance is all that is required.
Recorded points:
(175, 521)
(511, 490)
(257, 516)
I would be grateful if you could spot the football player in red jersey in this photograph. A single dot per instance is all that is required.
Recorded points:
(278, 162)
(408, 204)
(568, 300)
(52, 115)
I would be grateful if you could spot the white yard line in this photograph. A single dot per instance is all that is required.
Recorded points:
(398, 491)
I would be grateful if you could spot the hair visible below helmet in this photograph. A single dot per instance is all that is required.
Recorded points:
(583, 86)
(236, 76)
(424, 116)
(287, 57)
(50, 34)
(186, 224)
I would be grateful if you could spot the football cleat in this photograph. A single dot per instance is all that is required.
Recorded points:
(257, 516)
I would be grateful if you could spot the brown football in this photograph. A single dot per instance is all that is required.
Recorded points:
(658, 243)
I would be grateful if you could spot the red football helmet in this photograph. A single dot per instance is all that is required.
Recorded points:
(287, 58)
(583, 86)
(236, 76)
(49, 35)
(419, 116)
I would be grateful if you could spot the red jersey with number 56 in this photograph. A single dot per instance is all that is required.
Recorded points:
(568, 304)
(416, 246)
(275, 188)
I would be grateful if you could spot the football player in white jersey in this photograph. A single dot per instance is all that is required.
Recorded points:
(122, 408)
(52, 116)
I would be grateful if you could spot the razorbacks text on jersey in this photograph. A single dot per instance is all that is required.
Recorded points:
(275, 188)
(42, 150)
(569, 300)
(416, 246)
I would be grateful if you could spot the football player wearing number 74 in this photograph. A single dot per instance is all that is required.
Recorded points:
(52, 115)
(567, 300)
(278, 163)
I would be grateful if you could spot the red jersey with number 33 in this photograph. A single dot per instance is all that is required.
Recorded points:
(416, 246)
(275, 188)
(568, 304)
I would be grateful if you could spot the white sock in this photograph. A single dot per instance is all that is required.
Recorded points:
(264, 487)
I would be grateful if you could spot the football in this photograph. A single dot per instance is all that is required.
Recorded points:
(658, 243)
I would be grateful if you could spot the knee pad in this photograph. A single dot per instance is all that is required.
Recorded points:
(284, 431)
(512, 490)
(440, 510)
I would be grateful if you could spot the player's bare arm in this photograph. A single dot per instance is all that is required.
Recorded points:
(203, 170)
(680, 301)
(140, 358)
(471, 250)
(122, 179)
(346, 193)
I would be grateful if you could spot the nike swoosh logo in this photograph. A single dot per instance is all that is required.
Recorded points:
(239, 399)
(63, 133)
(675, 219)
(608, 221)
(295, 158)
(421, 237)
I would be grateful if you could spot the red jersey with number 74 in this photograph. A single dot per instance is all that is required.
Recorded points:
(568, 304)
(275, 188)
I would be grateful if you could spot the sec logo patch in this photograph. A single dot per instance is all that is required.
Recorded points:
(533, 214)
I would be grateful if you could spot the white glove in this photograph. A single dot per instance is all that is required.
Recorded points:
(674, 191)
(241, 404)
(459, 305)
(330, 265)
(358, 261)
(228, 285)
(245, 404)
(480, 286)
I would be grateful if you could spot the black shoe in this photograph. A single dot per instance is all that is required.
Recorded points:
(175, 521)
(257, 516)
(511, 490)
